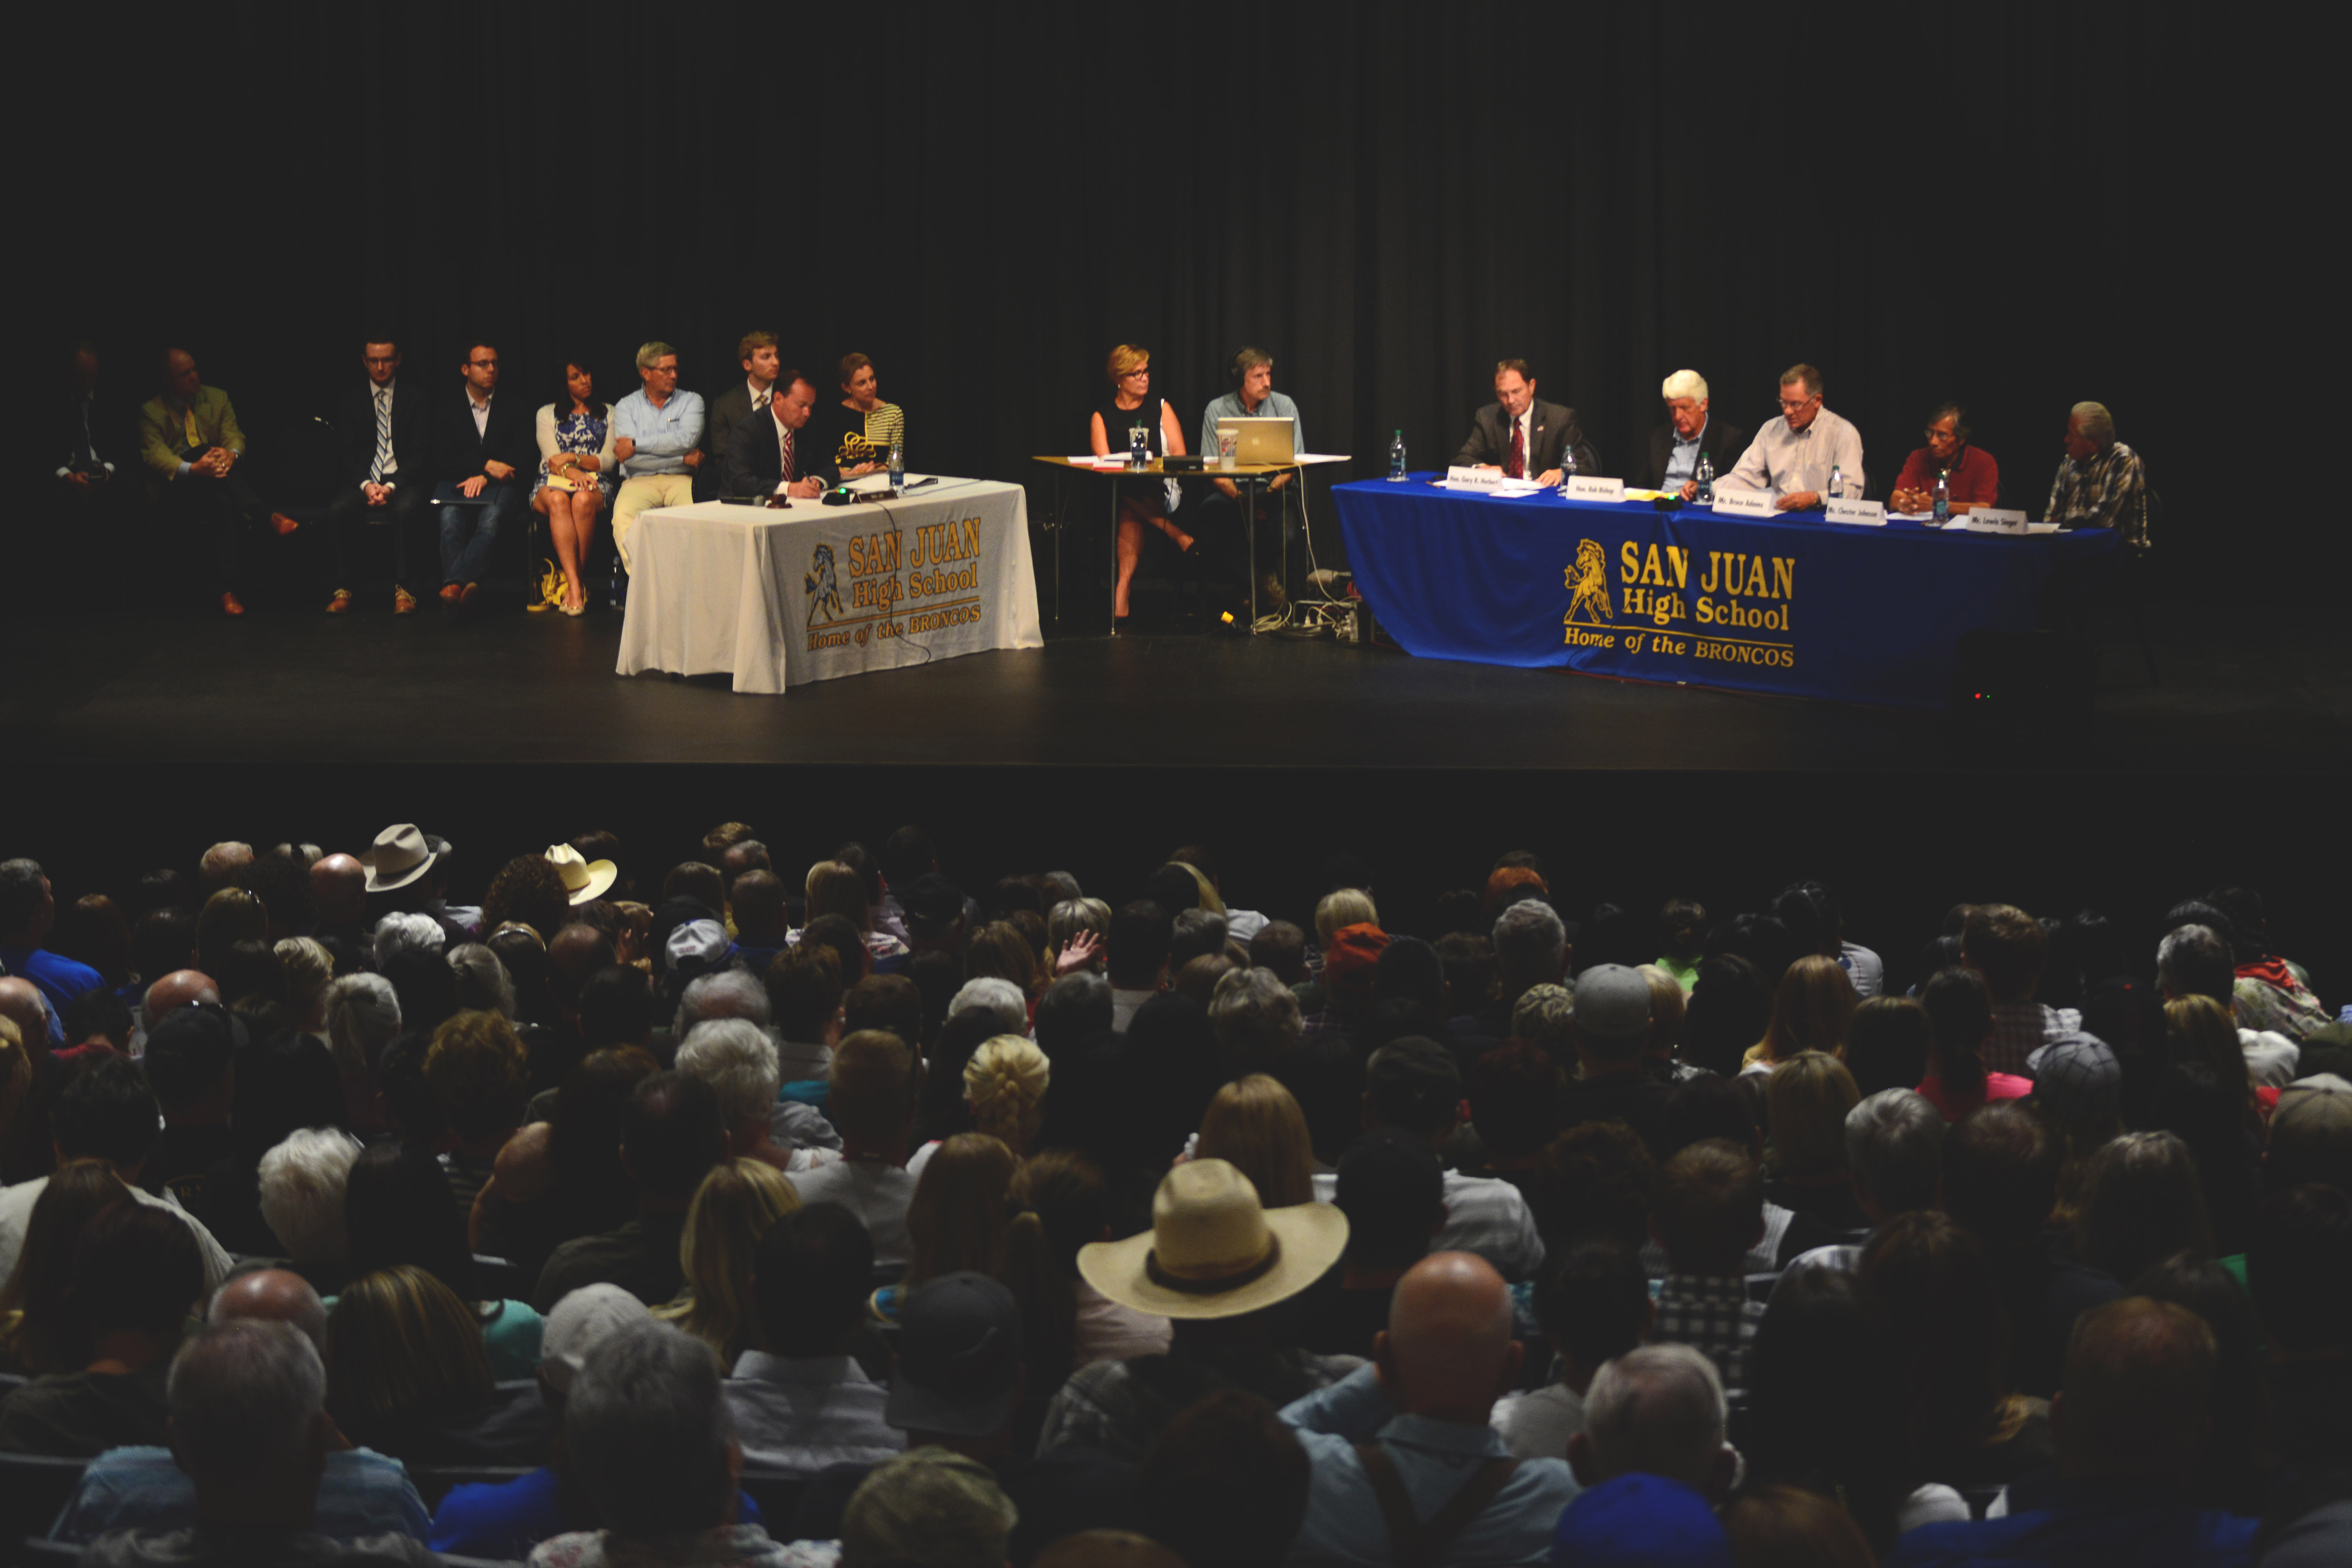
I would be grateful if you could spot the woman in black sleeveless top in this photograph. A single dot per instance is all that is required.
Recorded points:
(1131, 403)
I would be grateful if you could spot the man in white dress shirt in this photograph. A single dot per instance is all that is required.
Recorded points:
(1793, 456)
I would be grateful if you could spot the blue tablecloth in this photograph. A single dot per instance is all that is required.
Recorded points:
(1791, 604)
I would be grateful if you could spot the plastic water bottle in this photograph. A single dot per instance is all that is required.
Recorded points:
(1567, 469)
(897, 467)
(1837, 482)
(1138, 447)
(1705, 478)
(1943, 497)
(620, 583)
(1396, 455)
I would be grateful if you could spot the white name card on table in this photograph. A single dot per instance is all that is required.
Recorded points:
(1744, 504)
(1461, 476)
(1869, 513)
(1588, 487)
(1992, 520)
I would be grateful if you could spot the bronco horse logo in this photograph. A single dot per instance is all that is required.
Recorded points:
(824, 591)
(1588, 583)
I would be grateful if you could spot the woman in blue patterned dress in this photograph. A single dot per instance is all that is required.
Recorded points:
(575, 453)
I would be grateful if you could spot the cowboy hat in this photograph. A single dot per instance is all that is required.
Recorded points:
(583, 880)
(398, 858)
(1212, 1250)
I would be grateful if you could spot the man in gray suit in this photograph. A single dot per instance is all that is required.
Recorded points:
(1522, 436)
(760, 363)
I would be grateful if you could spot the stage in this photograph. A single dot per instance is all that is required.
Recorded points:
(2237, 695)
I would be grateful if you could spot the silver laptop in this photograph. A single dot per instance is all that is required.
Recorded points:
(1261, 440)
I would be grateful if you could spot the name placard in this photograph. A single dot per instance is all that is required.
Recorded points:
(1744, 504)
(1994, 519)
(1589, 487)
(1461, 478)
(1869, 513)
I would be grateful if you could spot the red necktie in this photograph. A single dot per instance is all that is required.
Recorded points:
(1517, 468)
(788, 458)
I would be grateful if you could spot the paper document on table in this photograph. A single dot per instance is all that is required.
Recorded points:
(1646, 495)
(1516, 487)
(1320, 457)
(1088, 460)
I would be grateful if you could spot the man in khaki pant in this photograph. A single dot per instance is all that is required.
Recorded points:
(657, 440)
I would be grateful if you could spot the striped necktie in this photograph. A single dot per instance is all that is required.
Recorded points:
(383, 436)
(789, 475)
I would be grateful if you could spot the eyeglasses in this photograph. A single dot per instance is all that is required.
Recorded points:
(1934, 435)
(1131, 374)
(1796, 402)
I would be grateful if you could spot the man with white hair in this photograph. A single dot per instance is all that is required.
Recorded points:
(363, 1020)
(738, 1060)
(2100, 482)
(302, 1182)
(657, 438)
(250, 1430)
(1689, 433)
(723, 994)
(999, 998)
(361, 1493)
(407, 933)
(1404, 1466)
(1531, 948)
(1895, 1154)
(1659, 1410)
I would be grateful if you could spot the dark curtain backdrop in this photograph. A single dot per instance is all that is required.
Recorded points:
(2012, 204)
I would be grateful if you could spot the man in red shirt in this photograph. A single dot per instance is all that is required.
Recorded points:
(1975, 477)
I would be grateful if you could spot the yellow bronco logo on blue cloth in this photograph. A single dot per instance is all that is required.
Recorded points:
(1588, 584)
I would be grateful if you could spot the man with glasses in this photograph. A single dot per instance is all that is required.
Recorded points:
(1793, 456)
(657, 440)
(483, 447)
(1689, 433)
(1971, 477)
(380, 428)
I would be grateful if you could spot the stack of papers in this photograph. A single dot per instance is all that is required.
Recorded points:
(1088, 460)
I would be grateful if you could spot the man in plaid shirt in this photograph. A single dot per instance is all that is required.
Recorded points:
(1709, 1212)
(2100, 484)
(2007, 946)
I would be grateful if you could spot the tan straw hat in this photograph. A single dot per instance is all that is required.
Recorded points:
(1213, 1252)
(583, 879)
(397, 858)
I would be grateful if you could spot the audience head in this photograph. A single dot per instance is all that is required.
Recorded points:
(1592, 1304)
(1414, 1086)
(2311, 1137)
(871, 1096)
(1600, 1181)
(1710, 1208)
(107, 1112)
(1255, 1125)
(926, 1508)
(1959, 1017)
(955, 1220)
(961, 1360)
(737, 1059)
(2196, 961)
(647, 1434)
(1812, 1011)
(249, 1421)
(476, 1069)
(1886, 1045)
(1281, 947)
(2141, 1202)
(1658, 1411)
(1612, 1023)
(670, 1136)
(1545, 1017)
(271, 1295)
(190, 1061)
(2299, 1269)
(1895, 1147)
(1530, 946)
(1392, 1187)
(890, 1002)
(1448, 1353)
(397, 1210)
(1513, 1094)
(2008, 947)
(301, 1194)
(1794, 1527)
(1729, 1011)
(809, 1278)
(1824, 1392)
(1924, 1282)
(136, 1275)
(1230, 1446)
(733, 1209)
(1806, 1101)
(2001, 1176)
(50, 1338)
(2138, 1392)
(580, 1322)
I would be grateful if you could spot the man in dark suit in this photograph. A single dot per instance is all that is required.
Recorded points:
(1689, 431)
(387, 471)
(85, 433)
(1524, 437)
(484, 455)
(749, 396)
(768, 454)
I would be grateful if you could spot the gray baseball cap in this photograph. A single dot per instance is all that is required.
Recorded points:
(1612, 1002)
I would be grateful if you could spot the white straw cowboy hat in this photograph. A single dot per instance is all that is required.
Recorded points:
(1212, 1250)
(398, 858)
(583, 880)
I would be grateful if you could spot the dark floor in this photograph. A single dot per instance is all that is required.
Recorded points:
(295, 686)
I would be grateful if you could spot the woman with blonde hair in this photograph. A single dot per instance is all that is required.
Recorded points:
(733, 1209)
(406, 1371)
(955, 1221)
(309, 969)
(1343, 907)
(1005, 1085)
(1132, 403)
(1256, 1126)
(1812, 1011)
(1805, 1101)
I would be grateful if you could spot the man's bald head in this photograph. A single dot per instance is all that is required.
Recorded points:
(339, 889)
(224, 864)
(178, 989)
(578, 951)
(1448, 1353)
(275, 1295)
(21, 1003)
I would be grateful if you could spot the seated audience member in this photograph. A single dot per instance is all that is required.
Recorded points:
(1807, 1098)
(1689, 433)
(1523, 436)
(476, 1069)
(481, 447)
(1593, 1306)
(1135, 953)
(2311, 1137)
(2299, 1272)
(1816, 924)
(29, 911)
(2141, 1203)
(396, 1211)
(1254, 1125)
(734, 1207)
(926, 1508)
(1611, 1028)
(1772, 1525)
(1255, 1016)
(1727, 1107)
(1710, 1211)
(1643, 1521)
(648, 1436)
(1061, 1203)
(1812, 1010)
(2238, 1475)
(2100, 482)
(670, 1137)
(870, 1099)
(1390, 1446)
(1392, 1187)
(407, 1374)
(1004, 1086)
(38, 1331)
(768, 453)
(1514, 1100)
(2195, 960)
(1658, 1410)
(2001, 1182)
(1729, 1010)
(804, 997)
(739, 1061)
(380, 428)
(2131, 1431)
(1232, 1446)
(1793, 456)
(1214, 1263)
(1662, 1056)
(2273, 992)
(657, 440)
(190, 1064)
(801, 1402)
(249, 1429)
(2008, 948)
(575, 480)
(361, 1493)
(1132, 405)
(1886, 1045)
(856, 429)
(1960, 1023)
(195, 454)
(1971, 479)
(302, 1185)
(956, 1220)
(135, 1277)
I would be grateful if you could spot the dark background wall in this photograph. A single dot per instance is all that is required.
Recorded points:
(2019, 205)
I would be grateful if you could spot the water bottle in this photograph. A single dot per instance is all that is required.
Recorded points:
(1138, 447)
(1837, 482)
(1396, 455)
(620, 583)
(1943, 497)
(1567, 469)
(897, 467)
(1706, 480)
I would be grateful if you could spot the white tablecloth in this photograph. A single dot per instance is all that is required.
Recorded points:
(782, 597)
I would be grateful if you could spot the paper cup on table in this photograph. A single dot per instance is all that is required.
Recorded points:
(1229, 443)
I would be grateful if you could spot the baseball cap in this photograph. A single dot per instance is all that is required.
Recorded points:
(2077, 1075)
(695, 946)
(931, 901)
(1612, 1002)
(579, 1323)
(958, 1357)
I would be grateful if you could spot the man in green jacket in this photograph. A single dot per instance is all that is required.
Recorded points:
(190, 442)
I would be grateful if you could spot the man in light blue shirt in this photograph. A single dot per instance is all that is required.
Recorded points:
(360, 1493)
(1407, 1438)
(1253, 397)
(657, 439)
